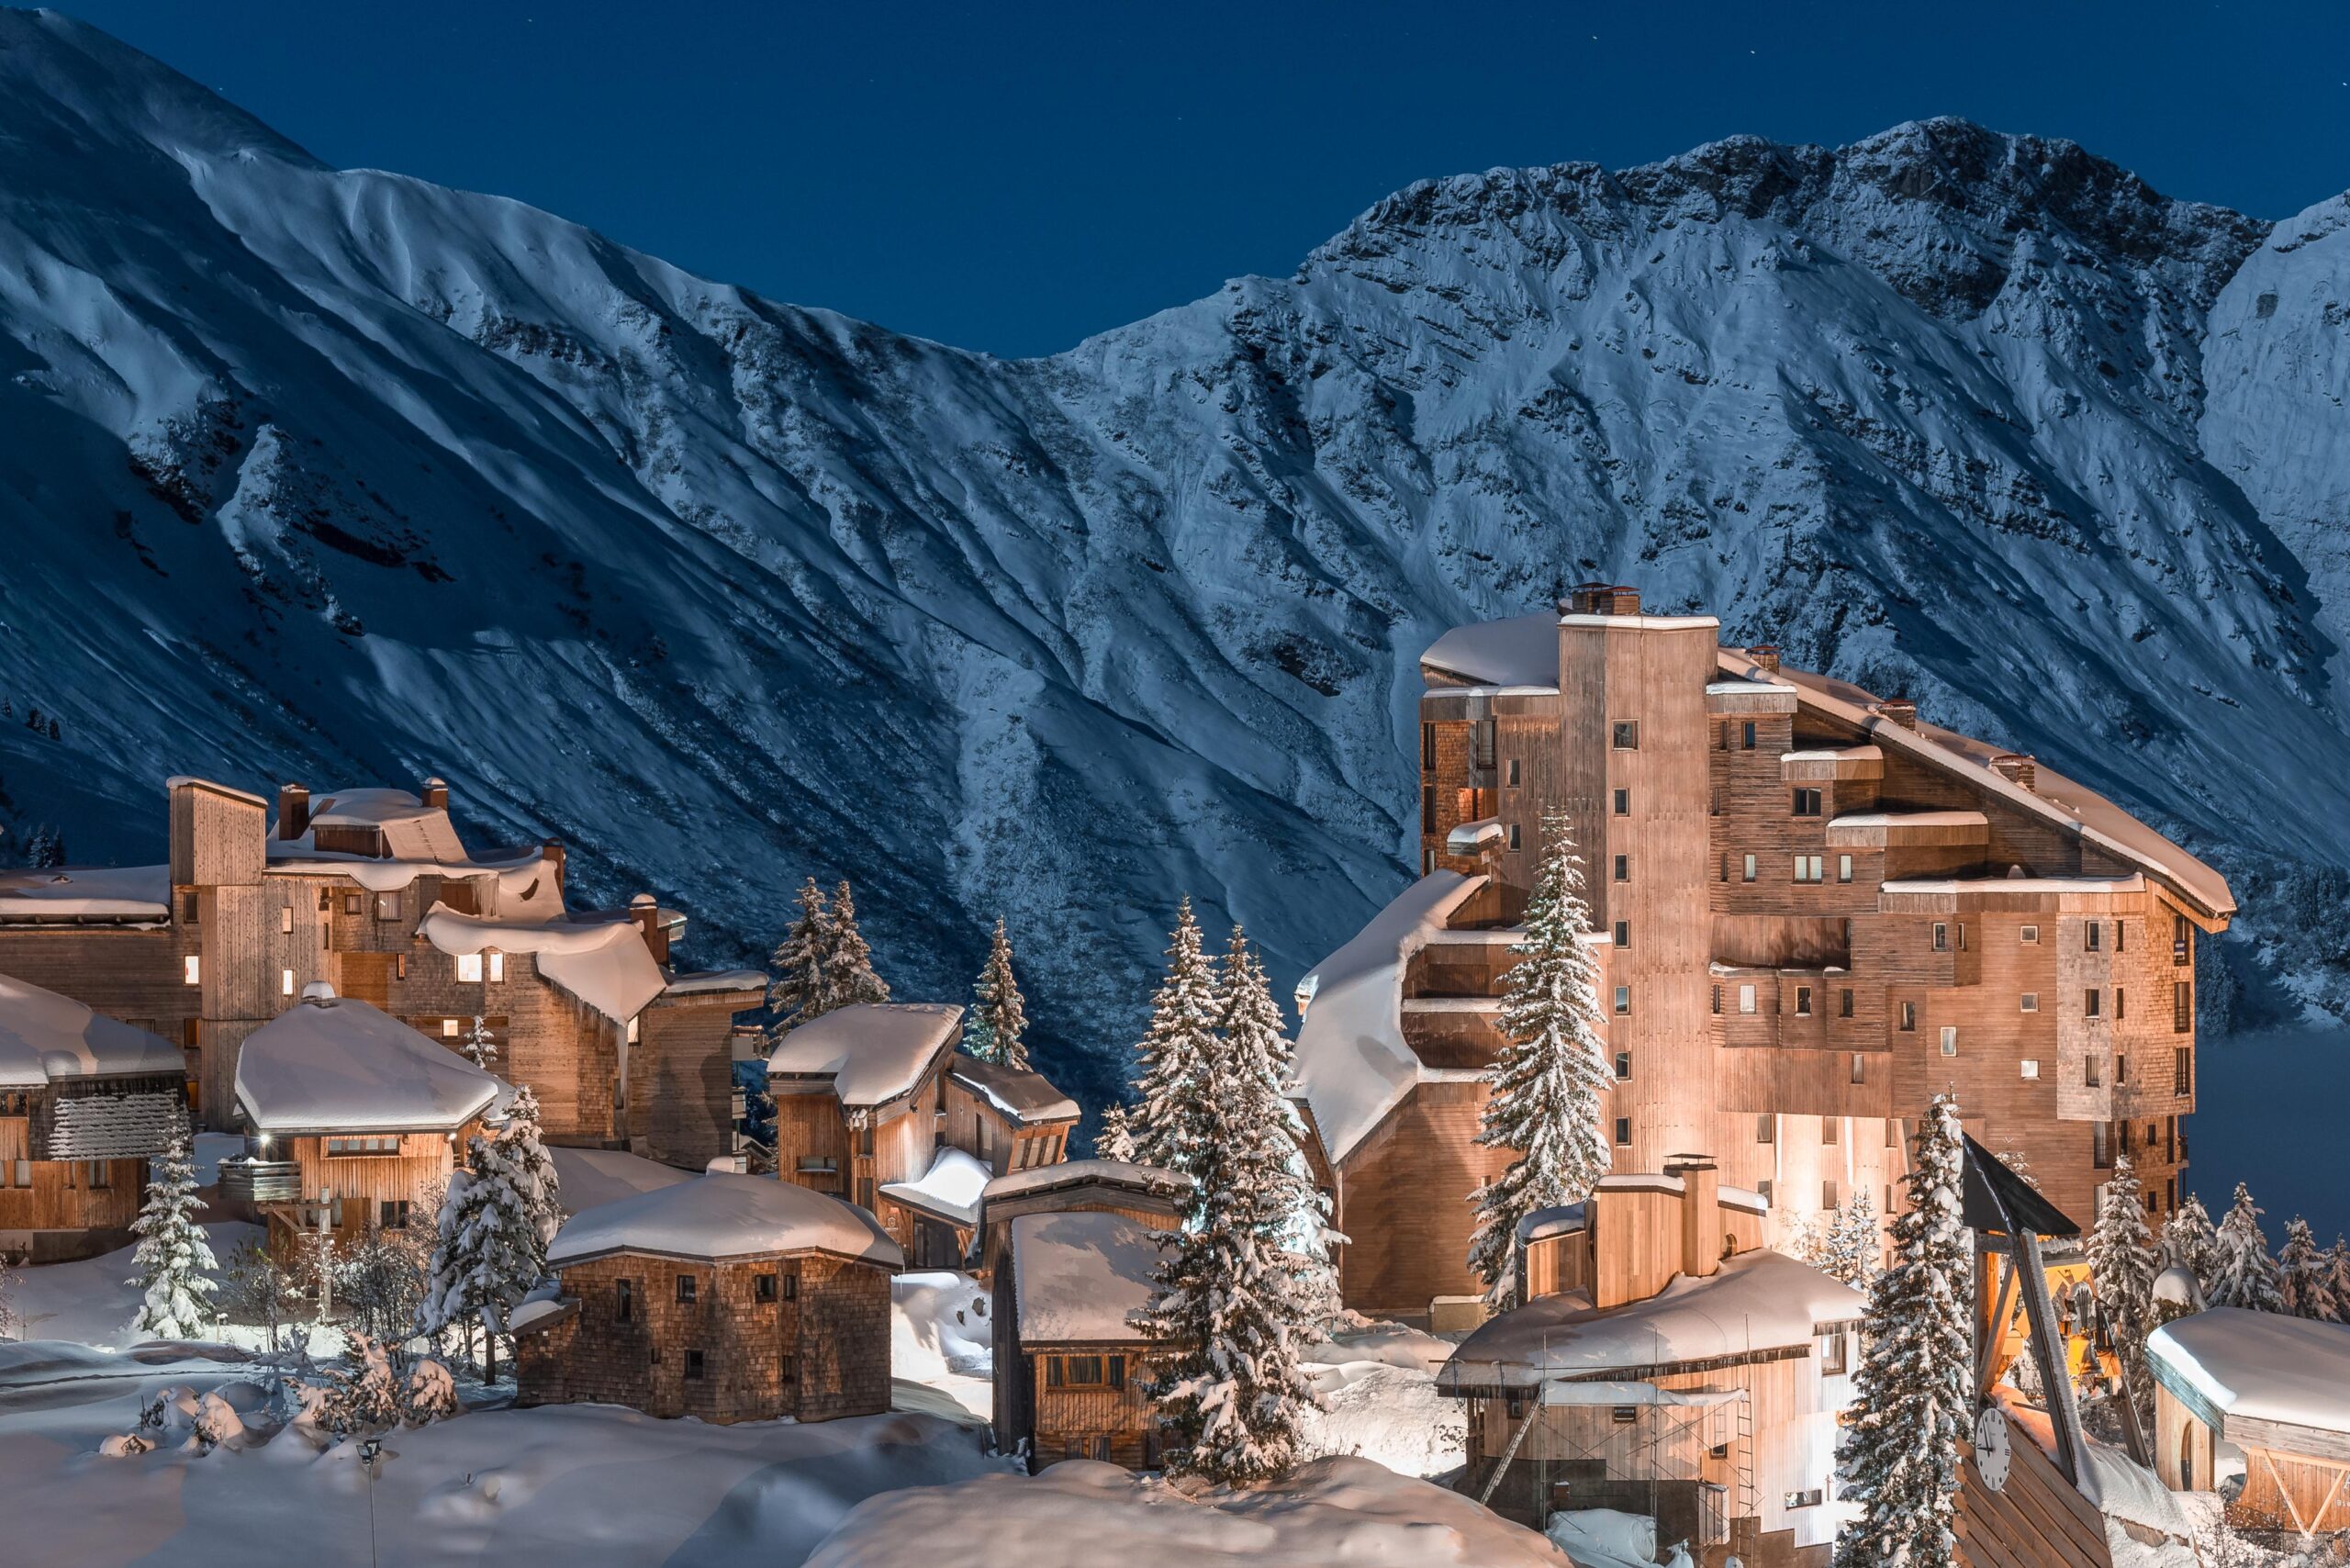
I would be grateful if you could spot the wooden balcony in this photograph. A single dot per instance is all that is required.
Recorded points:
(1453, 1032)
(259, 1182)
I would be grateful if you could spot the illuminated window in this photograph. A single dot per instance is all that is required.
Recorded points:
(1811, 868)
(497, 965)
(1950, 1040)
(469, 968)
(2030, 1067)
(192, 970)
(1843, 867)
(1746, 999)
(286, 983)
(448, 1028)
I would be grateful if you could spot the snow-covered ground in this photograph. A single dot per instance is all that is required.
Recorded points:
(1081, 1514)
(92, 1301)
(1379, 1401)
(940, 1341)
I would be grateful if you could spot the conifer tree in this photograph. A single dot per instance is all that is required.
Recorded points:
(2189, 1242)
(479, 1046)
(1117, 1138)
(798, 987)
(1552, 1078)
(1853, 1247)
(2122, 1266)
(2244, 1273)
(1234, 1298)
(848, 967)
(1899, 1455)
(998, 1018)
(174, 1258)
(1169, 1124)
(2337, 1275)
(2305, 1275)
(495, 1224)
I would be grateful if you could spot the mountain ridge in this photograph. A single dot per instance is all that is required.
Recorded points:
(393, 479)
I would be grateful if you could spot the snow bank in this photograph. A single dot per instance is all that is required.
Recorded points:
(588, 1178)
(339, 1064)
(1081, 1514)
(1605, 1537)
(719, 1217)
(45, 1037)
(92, 1301)
(941, 1340)
(870, 1051)
(1080, 1277)
(1352, 1064)
(2262, 1365)
(604, 963)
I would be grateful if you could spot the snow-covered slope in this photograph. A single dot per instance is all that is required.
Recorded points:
(344, 477)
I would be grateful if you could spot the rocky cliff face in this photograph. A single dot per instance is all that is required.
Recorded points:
(339, 475)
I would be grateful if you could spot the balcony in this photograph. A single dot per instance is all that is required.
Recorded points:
(246, 1180)
(1453, 1032)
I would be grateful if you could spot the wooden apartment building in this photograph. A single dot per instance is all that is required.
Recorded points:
(371, 892)
(1814, 911)
(85, 1100)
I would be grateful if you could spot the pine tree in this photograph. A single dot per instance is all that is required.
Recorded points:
(1853, 1247)
(174, 1258)
(1551, 1078)
(2244, 1273)
(2337, 1275)
(1234, 1297)
(1117, 1138)
(2305, 1275)
(2122, 1266)
(998, 1018)
(848, 967)
(495, 1222)
(2189, 1242)
(1899, 1455)
(47, 850)
(798, 987)
(1169, 1124)
(480, 1046)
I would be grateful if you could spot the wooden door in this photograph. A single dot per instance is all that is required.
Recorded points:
(367, 976)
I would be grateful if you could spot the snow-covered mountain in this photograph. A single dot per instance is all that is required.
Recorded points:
(340, 475)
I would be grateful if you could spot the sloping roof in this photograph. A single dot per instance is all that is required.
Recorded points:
(87, 893)
(871, 1051)
(722, 1216)
(1079, 1277)
(45, 1038)
(950, 1189)
(604, 963)
(2263, 1366)
(1759, 1301)
(1352, 1064)
(1023, 1095)
(1995, 1198)
(587, 1177)
(1520, 651)
(338, 1065)
(1084, 1173)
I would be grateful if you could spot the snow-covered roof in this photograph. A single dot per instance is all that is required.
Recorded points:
(2263, 1366)
(1543, 1224)
(1520, 651)
(604, 963)
(1759, 1301)
(870, 1052)
(587, 1177)
(1080, 1276)
(45, 1038)
(951, 1188)
(412, 830)
(1909, 819)
(1465, 838)
(1082, 1172)
(1352, 1064)
(1825, 753)
(719, 1217)
(1021, 1093)
(338, 1065)
(714, 980)
(87, 893)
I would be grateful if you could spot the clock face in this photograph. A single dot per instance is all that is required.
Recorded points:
(1991, 1453)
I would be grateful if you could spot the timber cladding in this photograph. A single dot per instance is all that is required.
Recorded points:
(812, 1342)
(1403, 1197)
(1088, 1403)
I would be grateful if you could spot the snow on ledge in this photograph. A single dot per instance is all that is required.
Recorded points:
(604, 963)
(87, 892)
(1466, 838)
(2263, 1366)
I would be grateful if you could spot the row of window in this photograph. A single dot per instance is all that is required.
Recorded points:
(765, 1289)
(1084, 1372)
(471, 967)
(1746, 1003)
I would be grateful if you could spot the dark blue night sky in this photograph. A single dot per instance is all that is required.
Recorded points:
(1014, 178)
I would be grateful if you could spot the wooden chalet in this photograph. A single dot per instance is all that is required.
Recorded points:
(1676, 1370)
(1070, 1252)
(2277, 1387)
(725, 1298)
(354, 1120)
(85, 1102)
(874, 1104)
(371, 892)
(1813, 910)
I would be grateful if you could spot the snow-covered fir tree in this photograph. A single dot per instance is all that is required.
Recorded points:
(2244, 1274)
(479, 1045)
(848, 967)
(2337, 1275)
(1552, 1078)
(1899, 1455)
(174, 1258)
(998, 1017)
(2305, 1275)
(494, 1225)
(1234, 1300)
(1117, 1138)
(797, 989)
(47, 850)
(2122, 1266)
(2191, 1242)
(1851, 1248)
(1168, 1122)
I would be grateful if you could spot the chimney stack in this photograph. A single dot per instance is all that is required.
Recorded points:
(2017, 768)
(550, 852)
(1901, 710)
(1602, 598)
(293, 810)
(1701, 1218)
(645, 910)
(1765, 656)
(435, 794)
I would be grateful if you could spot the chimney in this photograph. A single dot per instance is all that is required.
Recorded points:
(1623, 600)
(293, 810)
(550, 852)
(1901, 710)
(435, 794)
(1590, 598)
(1765, 656)
(2017, 768)
(1701, 1217)
(645, 910)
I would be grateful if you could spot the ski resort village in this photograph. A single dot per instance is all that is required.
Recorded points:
(1757, 1135)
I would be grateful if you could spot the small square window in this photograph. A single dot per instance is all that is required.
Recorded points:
(1950, 1040)
(1746, 999)
(350, 904)
(1623, 1001)
(693, 1366)
(2030, 933)
(1624, 734)
(1623, 1130)
(686, 1289)
(2030, 1067)
(2029, 1002)
(387, 906)
(1622, 1064)
(1623, 802)
(1807, 803)
(448, 1028)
